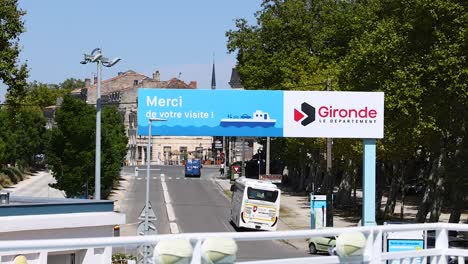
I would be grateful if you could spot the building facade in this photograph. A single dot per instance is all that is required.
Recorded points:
(122, 91)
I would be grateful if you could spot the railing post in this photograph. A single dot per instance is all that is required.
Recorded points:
(441, 243)
(373, 250)
(197, 254)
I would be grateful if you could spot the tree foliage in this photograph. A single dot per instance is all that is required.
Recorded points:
(414, 51)
(71, 147)
(12, 73)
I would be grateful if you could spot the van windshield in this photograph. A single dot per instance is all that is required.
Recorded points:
(262, 195)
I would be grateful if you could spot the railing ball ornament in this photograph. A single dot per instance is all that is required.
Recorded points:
(351, 243)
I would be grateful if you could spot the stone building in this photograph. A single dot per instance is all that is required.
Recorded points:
(122, 90)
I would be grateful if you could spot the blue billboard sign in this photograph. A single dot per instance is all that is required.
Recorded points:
(211, 112)
(261, 113)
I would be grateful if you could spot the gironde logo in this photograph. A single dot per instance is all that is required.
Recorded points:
(306, 111)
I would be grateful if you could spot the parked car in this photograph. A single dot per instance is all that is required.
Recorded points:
(458, 244)
(321, 244)
(453, 241)
(414, 186)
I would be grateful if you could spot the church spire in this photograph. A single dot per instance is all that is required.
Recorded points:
(213, 76)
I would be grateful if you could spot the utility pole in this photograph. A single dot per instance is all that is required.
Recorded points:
(329, 170)
(225, 156)
(243, 156)
(267, 169)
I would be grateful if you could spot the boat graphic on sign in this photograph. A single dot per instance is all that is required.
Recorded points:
(258, 119)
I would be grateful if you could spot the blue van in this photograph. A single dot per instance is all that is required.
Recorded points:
(192, 168)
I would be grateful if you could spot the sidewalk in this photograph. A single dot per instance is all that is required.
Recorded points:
(295, 213)
(36, 185)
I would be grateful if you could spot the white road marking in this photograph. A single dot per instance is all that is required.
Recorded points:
(162, 175)
(170, 178)
(167, 199)
(174, 228)
(169, 209)
(170, 213)
(139, 178)
(154, 178)
(178, 178)
(145, 169)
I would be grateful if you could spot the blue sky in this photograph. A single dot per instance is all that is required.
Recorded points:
(170, 36)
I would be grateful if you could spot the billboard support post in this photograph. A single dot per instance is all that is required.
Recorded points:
(368, 207)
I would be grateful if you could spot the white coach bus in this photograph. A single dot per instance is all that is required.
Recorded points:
(255, 204)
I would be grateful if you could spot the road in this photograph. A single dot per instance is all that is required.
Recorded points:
(198, 205)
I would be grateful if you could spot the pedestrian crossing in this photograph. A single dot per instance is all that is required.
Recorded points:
(174, 178)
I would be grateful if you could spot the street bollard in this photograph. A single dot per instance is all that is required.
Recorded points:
(136, 171)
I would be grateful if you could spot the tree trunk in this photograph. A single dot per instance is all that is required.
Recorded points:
(391, 199)
(343, 197)
(455, 215)
(403, 170)
(402, 208)
(429, 193)
(438, 200)
(381, 180)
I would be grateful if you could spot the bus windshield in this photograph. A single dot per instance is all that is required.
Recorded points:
(262, 195)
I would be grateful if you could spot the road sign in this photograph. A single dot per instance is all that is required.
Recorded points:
(151, 214)
(151, 229)
(236, 169)
(318, 211)
(284, 114)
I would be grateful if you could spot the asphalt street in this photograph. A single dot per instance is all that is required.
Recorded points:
(197, 205)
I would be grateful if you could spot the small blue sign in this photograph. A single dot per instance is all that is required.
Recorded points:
(397, 245)
(318, 211)
(211, 112)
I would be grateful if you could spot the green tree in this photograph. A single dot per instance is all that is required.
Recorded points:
(30, 130)
(414, 51)
(114, 143)
(7, 151)
(416, 55)
(12, 73)
(71, 148)
(42, 95)
(71, 84)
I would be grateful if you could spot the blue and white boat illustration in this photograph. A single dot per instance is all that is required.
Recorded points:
(258, 119)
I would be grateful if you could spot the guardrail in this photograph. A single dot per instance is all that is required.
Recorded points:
(371, 252)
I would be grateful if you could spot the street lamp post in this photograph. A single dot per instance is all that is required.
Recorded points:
(97, 57)
(148, 153)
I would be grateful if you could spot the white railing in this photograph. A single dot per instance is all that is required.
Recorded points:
(372, 251)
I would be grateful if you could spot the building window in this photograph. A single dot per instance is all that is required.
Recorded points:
(167, 152)
(183, 153)
(199, 152)
(135, 82)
